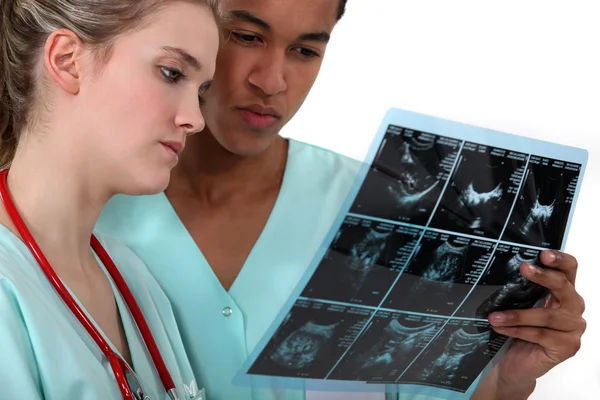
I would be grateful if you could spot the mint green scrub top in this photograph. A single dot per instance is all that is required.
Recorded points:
(46, 354)
(221, 328)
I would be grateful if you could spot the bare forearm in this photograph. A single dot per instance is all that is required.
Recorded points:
(511, 394)
(492, 389)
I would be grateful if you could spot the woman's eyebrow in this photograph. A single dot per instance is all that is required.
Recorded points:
(183, 56)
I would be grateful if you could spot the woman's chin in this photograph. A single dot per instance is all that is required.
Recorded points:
(148, 186)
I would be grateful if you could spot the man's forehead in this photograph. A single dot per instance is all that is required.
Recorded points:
(299, 17)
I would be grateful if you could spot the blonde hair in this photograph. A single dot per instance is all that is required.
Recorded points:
(25, 25)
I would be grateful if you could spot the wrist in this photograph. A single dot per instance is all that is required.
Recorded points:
(494, 387)
(507, 391)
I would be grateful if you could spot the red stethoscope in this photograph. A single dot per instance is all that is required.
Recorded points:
(123, 374)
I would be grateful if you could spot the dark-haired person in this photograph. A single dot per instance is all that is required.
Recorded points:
(246, 210)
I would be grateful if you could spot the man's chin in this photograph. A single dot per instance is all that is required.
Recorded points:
(248, 144)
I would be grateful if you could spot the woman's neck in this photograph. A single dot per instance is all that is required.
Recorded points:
(57, 198)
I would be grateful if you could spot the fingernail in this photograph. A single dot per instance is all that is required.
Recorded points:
(497, 318)
(533, 269)
(551, 256)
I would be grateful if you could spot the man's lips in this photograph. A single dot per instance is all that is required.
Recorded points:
(261, 110)
(258, 119)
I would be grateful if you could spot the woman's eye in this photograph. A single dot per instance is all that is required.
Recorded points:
(171, 74)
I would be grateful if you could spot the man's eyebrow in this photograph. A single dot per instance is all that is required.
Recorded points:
(184, 56)
(250, 18)
(315, 37)
(247, 16)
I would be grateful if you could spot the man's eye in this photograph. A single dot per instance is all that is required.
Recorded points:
(307, 53)
(244, 37)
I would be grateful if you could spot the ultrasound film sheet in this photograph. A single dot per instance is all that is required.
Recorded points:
(428, 244)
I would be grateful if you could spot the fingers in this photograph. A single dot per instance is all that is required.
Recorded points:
(558, 327)
(552, 319)
(563, 262)
(559, 284)
(558, 346)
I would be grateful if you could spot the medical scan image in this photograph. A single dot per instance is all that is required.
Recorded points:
(364, 255)
(542, 208)
(310, 340)
(502, 286)
(481, 191)
(407, 176)
(364, 259)
(387, 347)
(459, 345)
(440, 275)
(300, 349)
(455, 357)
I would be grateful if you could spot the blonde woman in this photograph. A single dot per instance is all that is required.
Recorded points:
(97, 98)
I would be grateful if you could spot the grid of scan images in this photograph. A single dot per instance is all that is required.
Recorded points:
(431, 246)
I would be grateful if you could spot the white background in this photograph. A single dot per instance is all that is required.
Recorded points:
(525, 67)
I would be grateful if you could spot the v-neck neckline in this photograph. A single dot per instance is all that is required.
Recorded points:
(141, 362)
(143, 365)
(140, 365)
(280, 204)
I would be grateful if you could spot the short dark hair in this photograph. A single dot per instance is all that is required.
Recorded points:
(341, 9)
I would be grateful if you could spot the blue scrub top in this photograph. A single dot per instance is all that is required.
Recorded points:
(221, 328)
(45, 353)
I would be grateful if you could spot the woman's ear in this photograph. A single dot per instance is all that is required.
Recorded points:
(62, 59)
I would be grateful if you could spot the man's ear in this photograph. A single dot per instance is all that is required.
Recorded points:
(62, 54)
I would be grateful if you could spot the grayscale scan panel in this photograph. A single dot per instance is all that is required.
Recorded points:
(428, 244)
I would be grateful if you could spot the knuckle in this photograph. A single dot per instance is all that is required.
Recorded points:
(581, 303)
(561, 281)
(565, 261)
(575, 346)
(550, 317)
(512, 317)
(537, 335)
(574, 263)
(516, 331)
